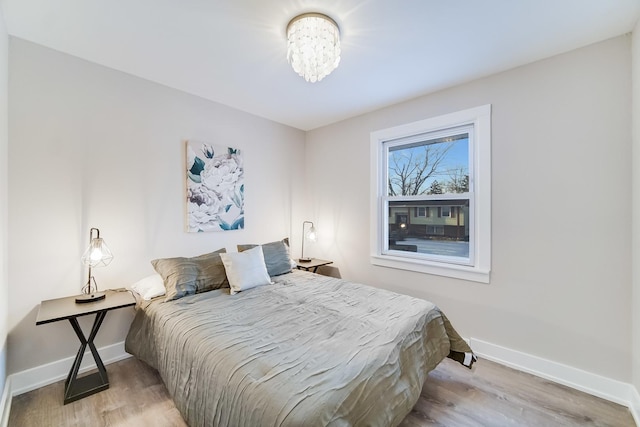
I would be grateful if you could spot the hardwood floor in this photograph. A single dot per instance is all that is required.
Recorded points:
(488, 395)
(495, 395)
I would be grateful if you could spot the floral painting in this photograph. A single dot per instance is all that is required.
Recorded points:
(215, 188)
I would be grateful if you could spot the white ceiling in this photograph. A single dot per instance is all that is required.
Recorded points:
(234, 51)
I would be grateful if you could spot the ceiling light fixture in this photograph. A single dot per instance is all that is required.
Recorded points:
(314, 46)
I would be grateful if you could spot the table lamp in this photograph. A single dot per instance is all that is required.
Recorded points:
(96, 255)
(310, 235)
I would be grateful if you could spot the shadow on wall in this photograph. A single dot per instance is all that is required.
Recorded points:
(32, 346)
(330, 271)
(3, 372)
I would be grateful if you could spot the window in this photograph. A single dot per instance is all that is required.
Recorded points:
(435, 230)
(431, 195)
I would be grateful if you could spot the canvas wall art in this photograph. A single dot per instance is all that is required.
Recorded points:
(215, 188)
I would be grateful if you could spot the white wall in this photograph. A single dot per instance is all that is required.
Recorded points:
(93, 147)
(636, 206)
(4, 135)
(561, 185)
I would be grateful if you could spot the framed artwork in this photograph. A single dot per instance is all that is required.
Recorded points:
(215, 187)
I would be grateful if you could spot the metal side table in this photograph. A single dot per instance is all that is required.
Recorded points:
(66, 308)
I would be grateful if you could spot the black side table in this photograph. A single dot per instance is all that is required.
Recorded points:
(66, 308)
(313, 264)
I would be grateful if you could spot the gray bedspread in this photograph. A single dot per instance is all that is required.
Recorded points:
(308, 350)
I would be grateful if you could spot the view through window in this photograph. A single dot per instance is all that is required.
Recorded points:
(428, 195)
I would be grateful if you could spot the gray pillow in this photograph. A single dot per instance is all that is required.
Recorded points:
(188, 276)
(276, 256)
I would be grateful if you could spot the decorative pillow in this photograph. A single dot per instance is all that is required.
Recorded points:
(187, 276)
(276, 256)
(246, 270)
(149, 287)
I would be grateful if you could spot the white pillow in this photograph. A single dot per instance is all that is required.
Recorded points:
(245, 270)
(149, 287)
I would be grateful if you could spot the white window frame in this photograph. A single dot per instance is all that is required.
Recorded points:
(479, 267)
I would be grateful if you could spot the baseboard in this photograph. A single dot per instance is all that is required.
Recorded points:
(596, 385)
(5, 403)
(634, 407)
(41, 376)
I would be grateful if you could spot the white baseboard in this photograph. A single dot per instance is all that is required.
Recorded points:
(5, 403)
(635, 405)
(596, 385)
(41, 376)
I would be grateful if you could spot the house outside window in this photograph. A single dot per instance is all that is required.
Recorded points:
(431, 195)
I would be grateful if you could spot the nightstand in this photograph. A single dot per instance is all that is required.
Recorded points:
(66, 308)
(313, 264)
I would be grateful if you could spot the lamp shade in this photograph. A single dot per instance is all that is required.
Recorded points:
(313, 46)
(312, 235)
(97, 254)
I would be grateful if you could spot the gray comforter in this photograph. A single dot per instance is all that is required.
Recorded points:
(308, 350)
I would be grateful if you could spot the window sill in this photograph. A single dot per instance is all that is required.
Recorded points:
(473, 274)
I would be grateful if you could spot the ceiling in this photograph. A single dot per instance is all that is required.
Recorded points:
(234, 51)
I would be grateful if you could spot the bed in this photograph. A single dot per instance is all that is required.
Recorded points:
(306, 350)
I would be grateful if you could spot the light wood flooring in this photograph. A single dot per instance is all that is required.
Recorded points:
(488, 395)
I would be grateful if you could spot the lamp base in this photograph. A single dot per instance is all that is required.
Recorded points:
(304, 259)
(93, 297)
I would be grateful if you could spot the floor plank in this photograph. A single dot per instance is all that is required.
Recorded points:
(488, 395)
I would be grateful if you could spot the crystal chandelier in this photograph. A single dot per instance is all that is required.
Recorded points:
(314, 46)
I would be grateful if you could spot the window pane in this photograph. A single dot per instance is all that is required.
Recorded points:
(446, 235)
(433, 166)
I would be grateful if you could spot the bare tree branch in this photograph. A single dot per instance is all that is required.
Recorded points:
(410, 169)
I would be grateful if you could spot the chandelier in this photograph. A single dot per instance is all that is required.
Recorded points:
(314, 46)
